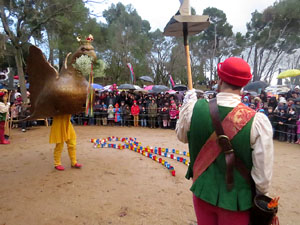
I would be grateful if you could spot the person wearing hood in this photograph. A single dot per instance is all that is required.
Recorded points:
(246, 101)
(135, 111)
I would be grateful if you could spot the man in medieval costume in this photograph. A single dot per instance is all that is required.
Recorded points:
(217, 201)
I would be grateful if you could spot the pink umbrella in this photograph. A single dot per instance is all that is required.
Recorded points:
(171, 92)
(148, 88)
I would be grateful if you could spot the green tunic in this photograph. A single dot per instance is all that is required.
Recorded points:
(211, 185)
(2, 117)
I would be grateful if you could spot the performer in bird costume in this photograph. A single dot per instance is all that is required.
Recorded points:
(59, 95)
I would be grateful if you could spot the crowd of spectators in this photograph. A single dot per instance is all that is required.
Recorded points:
(128, 109)
(283, 112)
(161, 110)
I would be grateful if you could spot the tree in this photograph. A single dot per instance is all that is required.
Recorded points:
(127, 42)
(273, 35)
(22, 20)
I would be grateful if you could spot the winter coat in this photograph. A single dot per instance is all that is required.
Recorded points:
(135, 110)
(152, 110)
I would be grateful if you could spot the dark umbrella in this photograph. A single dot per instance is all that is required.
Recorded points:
(146, 78)
(159, 88)
(127, 86)
(256, 85)
(179, 87)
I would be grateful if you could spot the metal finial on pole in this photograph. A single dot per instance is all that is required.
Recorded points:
(184, 24)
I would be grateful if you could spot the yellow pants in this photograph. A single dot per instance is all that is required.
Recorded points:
(136, 120)
(71, 150)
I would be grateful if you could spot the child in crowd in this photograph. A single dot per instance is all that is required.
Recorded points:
(143, 117)
(164, 113)
(174, 112)
(104, 114)
(110, 115)
(117, 112)
(122, 113)
(246, 101)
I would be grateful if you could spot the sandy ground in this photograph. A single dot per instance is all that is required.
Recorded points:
(114, 186)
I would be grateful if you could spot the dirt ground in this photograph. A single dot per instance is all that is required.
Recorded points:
(114, 186)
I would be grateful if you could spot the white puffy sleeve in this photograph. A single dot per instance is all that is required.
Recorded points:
(4, 108)
(263, 152)
(185, 116)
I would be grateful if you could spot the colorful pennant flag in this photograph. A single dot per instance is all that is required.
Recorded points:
(131, 72)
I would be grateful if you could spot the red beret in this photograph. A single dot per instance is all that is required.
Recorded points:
(235, 71)
(134, 101)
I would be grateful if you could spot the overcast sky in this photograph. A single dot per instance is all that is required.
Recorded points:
(159, 12)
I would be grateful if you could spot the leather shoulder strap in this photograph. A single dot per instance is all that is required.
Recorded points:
(231, 125)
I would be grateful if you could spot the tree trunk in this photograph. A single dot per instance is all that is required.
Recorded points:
(19, 62)
(255, 65)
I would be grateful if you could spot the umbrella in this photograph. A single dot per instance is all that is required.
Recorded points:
(256, 85)
(288, 73)
(141, 90)
(137, 87)
(128, 86)
(171, 92)
(146, 78)
(179, 87)
(159, 88)
(148, 88)
(97, 86)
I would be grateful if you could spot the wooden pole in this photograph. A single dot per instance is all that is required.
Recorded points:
(187, 54)
(6, 125)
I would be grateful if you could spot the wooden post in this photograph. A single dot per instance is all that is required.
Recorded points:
(187, 54)
(6, 125)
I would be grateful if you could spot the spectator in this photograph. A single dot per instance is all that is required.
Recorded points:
(135, 111)
(104, 114)
(143, 117)
(127, 116)
(97, 112)
(110, 115)
(152, 113)
(122, 108)
(298, 130)
(282, 119)
(164, 113)
(117, 112)
(291, 125)
(173, 115)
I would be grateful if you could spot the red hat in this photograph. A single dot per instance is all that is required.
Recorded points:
(2, 94)
(134, 101)
(235, 71)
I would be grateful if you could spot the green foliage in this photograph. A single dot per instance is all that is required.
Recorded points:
(99, 68)
(84, 65)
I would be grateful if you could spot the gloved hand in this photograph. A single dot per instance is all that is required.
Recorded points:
(190, 95)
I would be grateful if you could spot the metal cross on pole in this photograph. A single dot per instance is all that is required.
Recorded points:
(184, 24)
